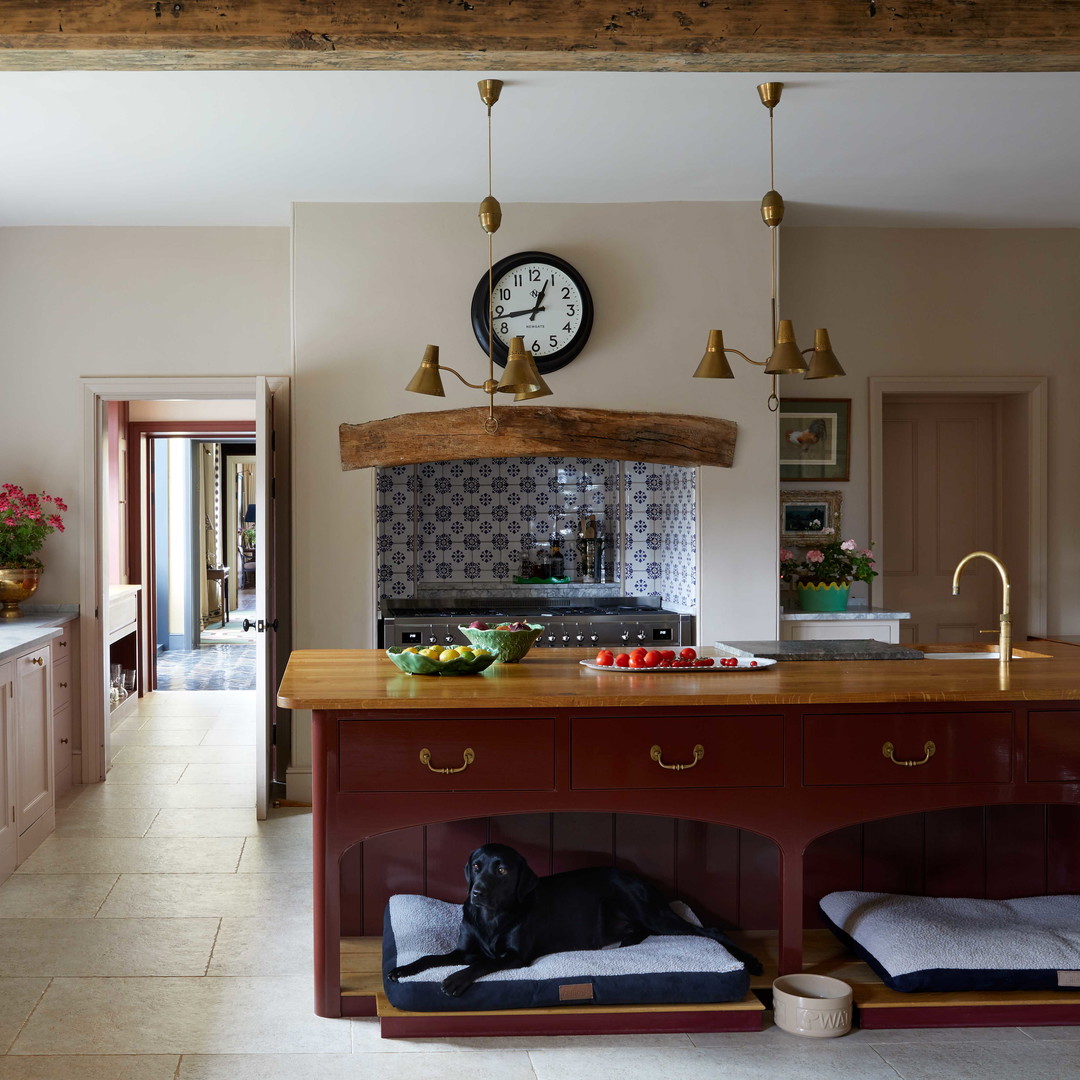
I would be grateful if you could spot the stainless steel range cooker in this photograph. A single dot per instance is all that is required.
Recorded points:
(569, 622)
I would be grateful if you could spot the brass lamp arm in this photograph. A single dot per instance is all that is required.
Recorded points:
(760, 363)
(475, 386)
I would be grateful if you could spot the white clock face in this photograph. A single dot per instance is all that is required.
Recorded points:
(538, 302)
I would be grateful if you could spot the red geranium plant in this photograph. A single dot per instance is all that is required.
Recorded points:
(25, 520)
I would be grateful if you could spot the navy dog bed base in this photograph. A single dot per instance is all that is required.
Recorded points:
(659, 970)
(925, 943)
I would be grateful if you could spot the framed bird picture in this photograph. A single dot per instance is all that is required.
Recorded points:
(815, 439)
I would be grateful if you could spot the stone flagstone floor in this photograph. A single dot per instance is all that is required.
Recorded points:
(162, 933)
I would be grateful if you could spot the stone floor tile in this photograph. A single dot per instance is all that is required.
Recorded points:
(129, 754)
(177, 896)
(18, 997)
(195, 821)
(104, 821)
(180, 1016)
(54, 896)
(242, 947)
(144, 774)
(210, 774)
(168, 795)
(134, 855)
(100, 947)
(985, 1061)
(230, 734)
(273, 854)
(1040, 1034)
(86, 1067)
(157, 736)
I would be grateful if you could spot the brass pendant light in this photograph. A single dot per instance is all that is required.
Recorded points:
(520, 376)
(786, 357)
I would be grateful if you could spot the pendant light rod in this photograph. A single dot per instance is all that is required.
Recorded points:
(786, 358)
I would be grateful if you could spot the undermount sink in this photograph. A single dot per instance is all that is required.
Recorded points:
(978, 651)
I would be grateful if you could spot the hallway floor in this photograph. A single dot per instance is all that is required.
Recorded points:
(162, 933)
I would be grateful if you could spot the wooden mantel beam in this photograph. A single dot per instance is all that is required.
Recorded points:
(498, 35)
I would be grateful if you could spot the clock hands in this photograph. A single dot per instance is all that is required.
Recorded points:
(540, 300)
(526, 311)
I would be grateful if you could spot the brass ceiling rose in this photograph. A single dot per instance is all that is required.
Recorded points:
(786, 357)
(520, 377)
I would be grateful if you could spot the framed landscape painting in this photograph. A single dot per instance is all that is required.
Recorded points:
(815, 439)
(807, 516)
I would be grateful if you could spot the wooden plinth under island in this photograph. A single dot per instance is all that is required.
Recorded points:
(792, 753)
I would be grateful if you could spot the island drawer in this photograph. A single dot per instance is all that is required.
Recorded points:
(1054, 746)
(736, 751)
(490, 754)
(907, 748)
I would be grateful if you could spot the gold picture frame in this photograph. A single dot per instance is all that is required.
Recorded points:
(809, 516)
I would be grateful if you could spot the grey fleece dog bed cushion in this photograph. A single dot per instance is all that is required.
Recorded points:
(927, 943)
(666, 969)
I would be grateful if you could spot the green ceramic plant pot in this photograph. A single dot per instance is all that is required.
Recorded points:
(823, 596)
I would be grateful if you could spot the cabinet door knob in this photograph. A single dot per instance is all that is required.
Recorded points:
(37, 660)
(63, 684)
(62, 741)
(62, 644)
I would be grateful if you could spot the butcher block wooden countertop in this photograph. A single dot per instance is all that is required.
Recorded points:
(364, 679)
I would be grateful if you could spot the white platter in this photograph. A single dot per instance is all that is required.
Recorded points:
(746, 663)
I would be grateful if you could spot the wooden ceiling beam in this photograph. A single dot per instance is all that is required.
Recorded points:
(501, 35)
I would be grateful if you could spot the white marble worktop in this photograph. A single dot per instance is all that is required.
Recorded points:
(867, 614)
(34, 628)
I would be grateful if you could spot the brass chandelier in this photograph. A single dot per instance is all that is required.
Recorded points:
(786, 357)
(520, 376)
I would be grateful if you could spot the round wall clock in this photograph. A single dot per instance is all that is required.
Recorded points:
(540, 298)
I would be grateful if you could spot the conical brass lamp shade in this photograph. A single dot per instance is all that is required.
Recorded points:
(714, 364)
(823, 364)
(520, 376)
(544, 391)
(428, 379)
(786, 358)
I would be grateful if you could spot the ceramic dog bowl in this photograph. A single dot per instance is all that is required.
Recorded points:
(816, 1006)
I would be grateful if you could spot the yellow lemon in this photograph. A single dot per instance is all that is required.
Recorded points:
(448, 654)
(481, 652)
(412, 649)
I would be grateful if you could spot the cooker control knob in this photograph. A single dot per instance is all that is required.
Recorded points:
(432, 639)
(551, 639)
(580, 637)
(625, 635)
(641, 635)
(565, 638)
(594, 638)
(449, 639)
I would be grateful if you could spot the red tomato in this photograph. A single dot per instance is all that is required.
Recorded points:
(637, 661)
(688, 654)
(666, 663)
(639, 651)
(667, 654)
(622, 660)
(605, 658)
(706, 661)
(652, 658)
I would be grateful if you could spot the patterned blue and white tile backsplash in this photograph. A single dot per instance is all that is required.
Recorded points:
(473, 520)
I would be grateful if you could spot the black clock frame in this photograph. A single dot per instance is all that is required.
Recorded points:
(481, 310)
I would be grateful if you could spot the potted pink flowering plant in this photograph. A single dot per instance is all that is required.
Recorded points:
(822, 576)
(26, 519)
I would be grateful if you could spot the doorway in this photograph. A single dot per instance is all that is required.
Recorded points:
(959, 465)
(272, 570)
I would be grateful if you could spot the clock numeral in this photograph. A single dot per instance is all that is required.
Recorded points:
(570, 310)
(566, 294)
(536, 346)
(534, 274)
(517, 279)
(499, 309)
(568, 328)
(503, 329)
(553, 341)
(504, 294)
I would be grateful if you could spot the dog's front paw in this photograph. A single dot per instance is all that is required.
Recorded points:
(455, 985)
(394, 974)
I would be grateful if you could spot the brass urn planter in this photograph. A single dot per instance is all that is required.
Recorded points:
(16, 585)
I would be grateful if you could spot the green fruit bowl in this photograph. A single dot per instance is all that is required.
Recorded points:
(508, 645)
(415, 664)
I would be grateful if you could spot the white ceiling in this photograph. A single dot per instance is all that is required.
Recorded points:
(237, 148)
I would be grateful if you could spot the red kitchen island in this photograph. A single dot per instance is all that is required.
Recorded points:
(794, 753)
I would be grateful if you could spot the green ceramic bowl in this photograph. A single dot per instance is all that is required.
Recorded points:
(415, 664)
(509, 645)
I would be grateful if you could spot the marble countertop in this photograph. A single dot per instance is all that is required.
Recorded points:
(866, 614)
(34, 628)
(820, 650)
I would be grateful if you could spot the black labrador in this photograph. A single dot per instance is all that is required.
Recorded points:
(512, 917)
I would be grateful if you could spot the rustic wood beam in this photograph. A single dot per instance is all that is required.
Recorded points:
(494, 35)
(530, 430)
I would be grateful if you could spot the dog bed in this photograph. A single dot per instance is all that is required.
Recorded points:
(666, 969)
(918, 943)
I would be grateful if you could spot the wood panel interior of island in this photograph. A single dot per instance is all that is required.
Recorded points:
(792, 798)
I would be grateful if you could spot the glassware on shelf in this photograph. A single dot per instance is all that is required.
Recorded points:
(128, 681)
(116, 684)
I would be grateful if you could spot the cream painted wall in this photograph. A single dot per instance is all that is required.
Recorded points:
(123, 301)
(375, 283)
(949, 302)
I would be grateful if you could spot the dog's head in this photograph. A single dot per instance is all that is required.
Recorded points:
(498, 877)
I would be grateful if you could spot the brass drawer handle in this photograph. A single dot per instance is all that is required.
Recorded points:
(657, 755)
(64, 685)
(63, 741)
(37, 660)
(469, 757)
(928, 750)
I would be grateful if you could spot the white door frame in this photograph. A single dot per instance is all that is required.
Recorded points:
(1034, 388)
(93, 603)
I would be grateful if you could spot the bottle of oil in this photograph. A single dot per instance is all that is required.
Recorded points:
(558, 563)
